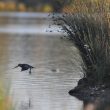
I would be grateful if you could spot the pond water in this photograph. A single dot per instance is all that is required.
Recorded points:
(56, 61)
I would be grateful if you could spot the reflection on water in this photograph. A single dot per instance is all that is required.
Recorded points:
(45, 89)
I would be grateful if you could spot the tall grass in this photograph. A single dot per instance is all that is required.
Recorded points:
(89, 6)
(100, 7)
(91, 35)
(88, 27)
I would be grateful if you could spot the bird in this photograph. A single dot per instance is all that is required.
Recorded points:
(25, 67)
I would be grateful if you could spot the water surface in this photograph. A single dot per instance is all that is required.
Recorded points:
(45, 88)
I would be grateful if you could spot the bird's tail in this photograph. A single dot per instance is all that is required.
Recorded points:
(33, 67)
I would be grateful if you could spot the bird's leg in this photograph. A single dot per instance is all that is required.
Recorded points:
(21, 69)
(30, 71)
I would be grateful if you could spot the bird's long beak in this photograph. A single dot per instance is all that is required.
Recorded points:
(15, 67)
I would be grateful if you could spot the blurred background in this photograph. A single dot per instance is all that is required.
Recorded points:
(27, 35)
(33, 5)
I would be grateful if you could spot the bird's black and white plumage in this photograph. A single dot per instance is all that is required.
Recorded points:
(25, 67)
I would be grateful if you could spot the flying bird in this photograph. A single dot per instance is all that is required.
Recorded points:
(25, 67)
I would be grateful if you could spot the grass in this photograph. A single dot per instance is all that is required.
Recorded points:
(90, 34)
(88, 27)
(91, 7)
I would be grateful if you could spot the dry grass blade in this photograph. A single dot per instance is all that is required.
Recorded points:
(90, 34)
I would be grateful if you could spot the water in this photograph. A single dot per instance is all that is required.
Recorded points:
(56, 63)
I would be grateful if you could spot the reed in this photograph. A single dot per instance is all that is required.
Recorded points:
(100, 7)
(90, 34)
(89, 29)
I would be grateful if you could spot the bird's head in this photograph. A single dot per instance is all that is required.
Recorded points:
(19, 65)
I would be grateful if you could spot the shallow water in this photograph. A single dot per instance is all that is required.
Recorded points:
(56, 63)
